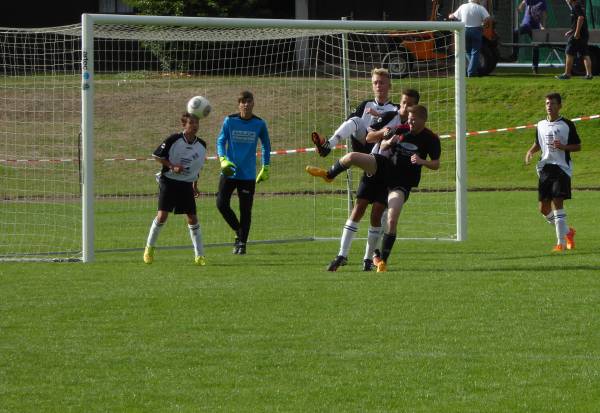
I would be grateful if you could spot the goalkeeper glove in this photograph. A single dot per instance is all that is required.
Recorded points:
(227, 167)
(263, 175)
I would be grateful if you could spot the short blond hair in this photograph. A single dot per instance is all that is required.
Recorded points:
(380, 71)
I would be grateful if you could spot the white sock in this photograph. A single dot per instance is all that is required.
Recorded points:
(196, 236)
(560, 223)
(348, 233)
(373, 239)
(550, 218)
(344, 131)
(153, 234)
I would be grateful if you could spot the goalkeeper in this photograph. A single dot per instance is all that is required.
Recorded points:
(236, 147)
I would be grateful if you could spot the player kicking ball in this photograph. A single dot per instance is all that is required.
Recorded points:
(372, 191)
(355, 128)
(401, 170)
(556, 137)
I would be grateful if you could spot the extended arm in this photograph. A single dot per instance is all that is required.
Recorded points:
(580, 21)
(377, 135)
(544, 19)
(534, 148)
(265, 141)
(433, 164)
(571, 147)
(167, 164)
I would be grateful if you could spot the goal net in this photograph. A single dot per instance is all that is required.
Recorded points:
(124, 81)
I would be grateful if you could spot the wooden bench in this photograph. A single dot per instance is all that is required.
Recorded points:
(555, 40)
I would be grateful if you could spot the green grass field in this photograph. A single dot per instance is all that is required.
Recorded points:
(493, 324)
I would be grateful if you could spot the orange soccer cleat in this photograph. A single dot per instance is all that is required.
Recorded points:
(571, 238)
(559, 248)
(318, 172)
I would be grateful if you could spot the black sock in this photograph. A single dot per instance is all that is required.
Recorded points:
(386, 245)
(336, 169)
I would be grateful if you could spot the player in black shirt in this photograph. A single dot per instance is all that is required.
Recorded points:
(182, 156)
(577, 41)
(401, 171)
(371, 190)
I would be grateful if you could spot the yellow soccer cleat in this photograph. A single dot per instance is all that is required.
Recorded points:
(149, 255)
(571, 238)
(200, 260)
(379, 264)
(318, 172)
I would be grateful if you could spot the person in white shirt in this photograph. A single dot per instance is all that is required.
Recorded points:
(556, 137)
(474, 16)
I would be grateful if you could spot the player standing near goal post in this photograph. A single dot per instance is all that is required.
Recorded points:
(236, 147)
(556, 137)
(372, 191)
(182, 156)
(401, 171)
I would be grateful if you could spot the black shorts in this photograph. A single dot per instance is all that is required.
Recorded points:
(389, 175)
(372, 189)
(577, 47)
(553, 183)
(176, 195)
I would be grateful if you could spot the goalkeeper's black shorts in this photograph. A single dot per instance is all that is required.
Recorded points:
(177, 196)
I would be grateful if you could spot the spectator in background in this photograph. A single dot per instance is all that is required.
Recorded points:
(533, 19)
(577, 41)
(474, 16)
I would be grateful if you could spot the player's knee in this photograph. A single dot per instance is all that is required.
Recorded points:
(545, 208)
(162, 216)
(222, 204)
(346, 160)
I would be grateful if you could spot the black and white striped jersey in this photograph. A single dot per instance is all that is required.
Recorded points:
(546, 132)
(362, 111)
(180, 152)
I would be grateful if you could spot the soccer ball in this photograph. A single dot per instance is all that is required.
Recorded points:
(198, 106)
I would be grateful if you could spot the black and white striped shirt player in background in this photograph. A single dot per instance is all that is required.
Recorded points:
(556, 137)
(355, 128)
(182, 156)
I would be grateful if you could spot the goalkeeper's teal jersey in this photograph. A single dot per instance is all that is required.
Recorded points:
(238, 141)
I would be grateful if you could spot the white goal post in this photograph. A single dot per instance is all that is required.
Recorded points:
(136, 74)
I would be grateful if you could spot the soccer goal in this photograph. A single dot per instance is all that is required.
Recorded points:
(83, 107)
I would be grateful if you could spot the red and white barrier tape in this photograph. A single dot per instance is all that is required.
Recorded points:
(289, 151)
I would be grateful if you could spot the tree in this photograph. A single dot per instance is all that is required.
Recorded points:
(209, 8)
